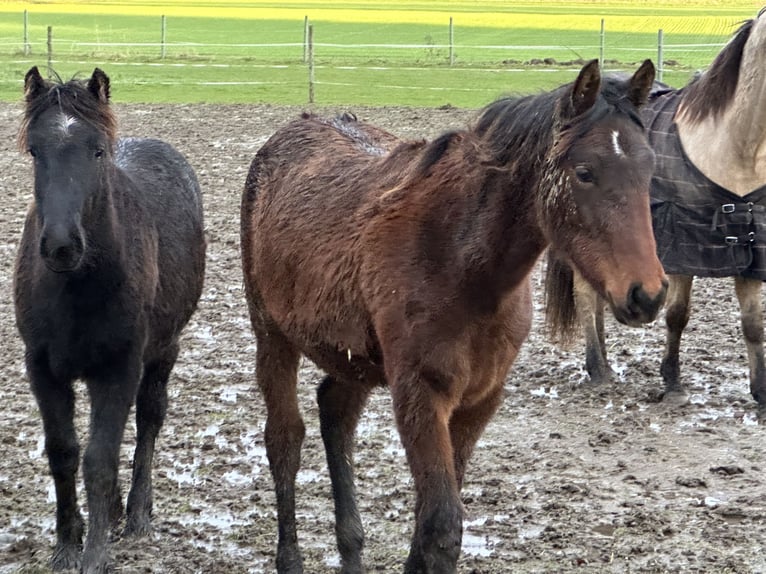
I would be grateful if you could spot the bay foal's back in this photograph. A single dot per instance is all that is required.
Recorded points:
(109, 270)
(406, 264)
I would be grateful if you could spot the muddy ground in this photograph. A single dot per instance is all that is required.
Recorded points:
(567, 478)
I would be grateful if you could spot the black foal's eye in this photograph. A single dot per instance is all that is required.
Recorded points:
(584, 174)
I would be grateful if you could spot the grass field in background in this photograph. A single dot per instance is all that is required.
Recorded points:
(237, 51)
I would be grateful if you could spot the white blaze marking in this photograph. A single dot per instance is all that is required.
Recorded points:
(616, 143)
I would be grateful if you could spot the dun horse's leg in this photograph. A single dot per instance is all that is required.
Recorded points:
(277, 375)
(423, 410)
(749, 296)
(590, 311)
(56, 401)
(340, 405)
(151, 406)
(676, 317)
(111, 398)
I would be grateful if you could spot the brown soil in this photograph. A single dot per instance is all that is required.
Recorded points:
(567, 478)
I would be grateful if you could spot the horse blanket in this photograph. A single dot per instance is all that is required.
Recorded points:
(701, 228)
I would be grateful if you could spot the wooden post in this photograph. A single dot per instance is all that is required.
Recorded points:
(50, 51)
(311, 63)
(305, 38)
(660, 55)
(27, 48)
(451, 43)
(601, 47)
(163, 36)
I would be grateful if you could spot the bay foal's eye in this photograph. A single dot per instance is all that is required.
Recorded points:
(584, 174)
(99, 153)
(32, 152)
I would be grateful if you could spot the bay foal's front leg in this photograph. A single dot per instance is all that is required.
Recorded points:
(423, 407)
(111, 397)
(55, 398)
(276, 371)
(677, 312)
(340, 405)
(751, 314)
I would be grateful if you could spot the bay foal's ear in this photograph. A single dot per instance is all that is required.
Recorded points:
(98, 85)
(34, 84)
(641, 84)
(586, 88)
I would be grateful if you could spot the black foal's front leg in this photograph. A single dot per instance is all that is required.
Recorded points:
(111, 398)
(340, 405)
(151, 407)
(55, 399)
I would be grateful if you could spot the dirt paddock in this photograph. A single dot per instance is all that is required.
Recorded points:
(567, 478)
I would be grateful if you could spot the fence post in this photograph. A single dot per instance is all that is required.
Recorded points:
(27, 48)
(659, 55)
(451, 43)
(50, 51)
(305, 38)
(163, 36)
(601, 46)
(311, 63)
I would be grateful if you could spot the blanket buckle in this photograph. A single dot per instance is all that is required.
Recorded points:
(728, 208)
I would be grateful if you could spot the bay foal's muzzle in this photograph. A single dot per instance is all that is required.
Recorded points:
(62, 247)
(640, 304)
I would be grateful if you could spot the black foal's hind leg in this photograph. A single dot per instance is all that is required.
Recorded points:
(56, 401)
(151, 407)
(751, 313)
(340, 405)
(676, 319)
(111, 397)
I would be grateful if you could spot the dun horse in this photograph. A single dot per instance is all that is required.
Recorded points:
(109, 270)
(708, 205)
(407, 264)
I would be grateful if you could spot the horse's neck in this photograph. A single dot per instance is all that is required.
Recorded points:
(730, 149)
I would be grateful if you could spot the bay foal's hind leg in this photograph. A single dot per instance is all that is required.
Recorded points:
(677, 312)
(55, 399)
(340, 404)
(751, 314)
(111, 396)
(151, 407)
(276, 371)
(590, 312)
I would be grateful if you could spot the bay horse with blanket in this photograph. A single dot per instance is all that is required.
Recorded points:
(708, 208)
(407, 264)
(109, 270)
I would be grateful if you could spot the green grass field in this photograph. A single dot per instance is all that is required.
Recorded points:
(376, 53)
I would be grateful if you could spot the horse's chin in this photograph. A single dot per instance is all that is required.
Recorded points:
(631, 317)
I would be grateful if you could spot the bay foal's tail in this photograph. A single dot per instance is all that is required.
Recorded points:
(560, 310)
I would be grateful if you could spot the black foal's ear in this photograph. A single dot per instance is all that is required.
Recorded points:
(98, 85)
(34, 84)
(586, 88)
(641, 84)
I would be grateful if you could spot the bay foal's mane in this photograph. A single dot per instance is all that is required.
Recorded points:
(711, 92)
(86, 101)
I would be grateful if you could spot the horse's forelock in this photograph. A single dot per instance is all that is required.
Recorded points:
(74, 99)
(711, 92)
